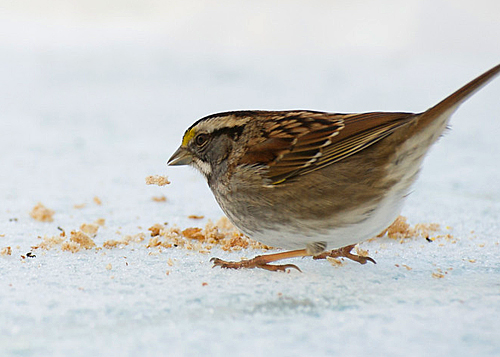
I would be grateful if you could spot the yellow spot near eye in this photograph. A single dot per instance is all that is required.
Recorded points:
(188, 136)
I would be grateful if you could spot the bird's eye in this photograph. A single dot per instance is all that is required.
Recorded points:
(201, 139)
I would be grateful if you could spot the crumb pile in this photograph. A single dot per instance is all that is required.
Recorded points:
(222, 234)
(78, 240)
(124, 241)
(401, 230)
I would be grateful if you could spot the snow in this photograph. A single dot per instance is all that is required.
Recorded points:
(95, 97)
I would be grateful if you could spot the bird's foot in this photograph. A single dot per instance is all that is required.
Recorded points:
(250, 264)
(262, 261)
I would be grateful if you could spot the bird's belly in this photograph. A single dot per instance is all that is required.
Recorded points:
(358, 225)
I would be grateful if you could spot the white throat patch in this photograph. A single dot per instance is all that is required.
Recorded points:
(202, 166)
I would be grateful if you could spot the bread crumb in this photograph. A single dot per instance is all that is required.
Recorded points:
(100, 221)
(79, 206)
(167, 272)
(109, 244)
(225, 224)
(136, 238)
(193, 216)
(97, 201)
(193, 233)
(109, 266)
(204, 284)
(6, 251)
(399, 229)
(154, 242)
(70, 247)
(159, 198)
(361, 252)
(42, 213)
(155, 229)
(437, 275)
(335, 261)
(472, 260)
(83, 240)
(407, 267)
(157, 180)
(89, 228)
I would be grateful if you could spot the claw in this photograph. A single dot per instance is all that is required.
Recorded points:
(363, 260)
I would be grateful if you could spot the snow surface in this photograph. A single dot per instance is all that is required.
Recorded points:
(95, 97)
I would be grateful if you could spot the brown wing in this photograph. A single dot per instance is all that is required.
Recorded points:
(297, 143)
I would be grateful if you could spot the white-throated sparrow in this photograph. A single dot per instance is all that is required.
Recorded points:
(309, 180)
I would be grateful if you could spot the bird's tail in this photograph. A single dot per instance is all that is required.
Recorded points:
(448, 105)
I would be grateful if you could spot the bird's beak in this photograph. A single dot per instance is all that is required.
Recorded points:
(181, 157)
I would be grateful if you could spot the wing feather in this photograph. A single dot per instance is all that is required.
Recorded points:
(298, 143)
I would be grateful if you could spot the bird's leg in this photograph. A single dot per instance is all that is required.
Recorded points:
(345, 252)
(262, 261)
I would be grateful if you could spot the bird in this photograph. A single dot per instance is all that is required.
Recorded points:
(314, 183)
